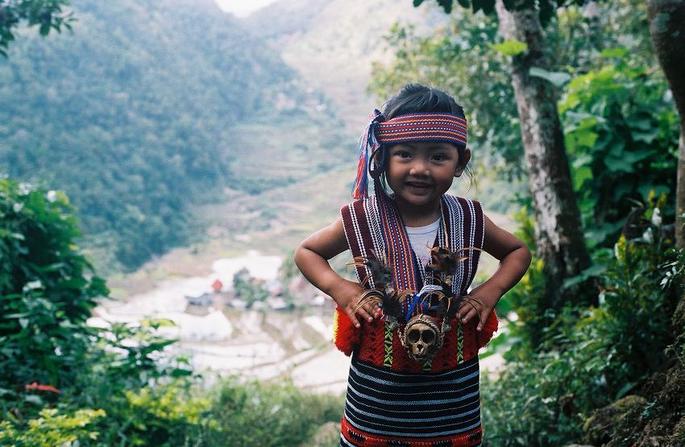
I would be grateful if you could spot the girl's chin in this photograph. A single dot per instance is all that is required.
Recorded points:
(418, 199)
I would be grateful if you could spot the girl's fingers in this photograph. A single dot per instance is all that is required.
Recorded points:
(364, 313)
(483, 318)
(353, 317)
(373, 310)
(465, 308)
(470, 313)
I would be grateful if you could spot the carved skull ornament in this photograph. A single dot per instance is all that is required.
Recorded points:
(422, 338)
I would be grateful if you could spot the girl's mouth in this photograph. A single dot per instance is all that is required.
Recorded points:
(418, 185)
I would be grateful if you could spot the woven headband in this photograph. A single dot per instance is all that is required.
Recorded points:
(417, 127)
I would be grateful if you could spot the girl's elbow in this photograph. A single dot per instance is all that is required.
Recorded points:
(297, 256)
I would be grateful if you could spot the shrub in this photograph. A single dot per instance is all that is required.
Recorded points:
(264, 415)
(47, 289)
(73, 428)
(597, 358)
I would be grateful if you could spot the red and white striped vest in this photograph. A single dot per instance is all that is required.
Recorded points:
(373, 228)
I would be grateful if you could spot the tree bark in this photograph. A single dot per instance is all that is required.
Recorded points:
(558, 232)
(667, 28)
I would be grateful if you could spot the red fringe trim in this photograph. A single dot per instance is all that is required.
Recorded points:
(489, 328)
(358, 437)
(345, 336)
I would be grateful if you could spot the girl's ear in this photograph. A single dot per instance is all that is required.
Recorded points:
(463, 161)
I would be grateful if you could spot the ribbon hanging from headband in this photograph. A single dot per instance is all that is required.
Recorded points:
(368, 144)
(416, 127)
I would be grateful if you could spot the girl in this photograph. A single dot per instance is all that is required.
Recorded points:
(411, 326)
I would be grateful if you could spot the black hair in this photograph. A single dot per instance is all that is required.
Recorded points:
(417, 98)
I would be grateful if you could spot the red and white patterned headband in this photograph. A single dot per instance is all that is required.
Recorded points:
(433, 127)
(417, 127)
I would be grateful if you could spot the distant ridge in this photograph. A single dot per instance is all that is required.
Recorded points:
(333, 43)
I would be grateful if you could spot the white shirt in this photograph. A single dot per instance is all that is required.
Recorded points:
(421, 240)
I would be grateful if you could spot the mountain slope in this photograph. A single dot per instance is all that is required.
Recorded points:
(148, 108)
(332, 44)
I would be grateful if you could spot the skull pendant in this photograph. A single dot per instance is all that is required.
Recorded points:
(421, 338)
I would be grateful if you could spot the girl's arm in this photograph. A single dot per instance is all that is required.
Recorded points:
(312, 256)
(514, 259)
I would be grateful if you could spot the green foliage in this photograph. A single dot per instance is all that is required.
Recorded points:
(48, 15)
(116, 385)
(640, 289)
(510, 47)
(467, 50)
(544, 397)
(47, 288)
(166, 416)
(263, 415)
(129, 356)
(525, 299)
(149, 397)
(546, 8)
(622, 139)
(51, 429)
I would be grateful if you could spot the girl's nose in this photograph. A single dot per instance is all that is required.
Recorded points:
(419, 168)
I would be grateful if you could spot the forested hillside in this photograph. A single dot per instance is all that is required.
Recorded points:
(148, 108)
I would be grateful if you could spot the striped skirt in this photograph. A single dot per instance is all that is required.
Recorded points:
(387, 408)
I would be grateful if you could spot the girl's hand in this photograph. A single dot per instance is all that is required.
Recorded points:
(347, 295)
(478, 304)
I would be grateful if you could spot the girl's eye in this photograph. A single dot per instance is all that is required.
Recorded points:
(440, 157)
(403, 154)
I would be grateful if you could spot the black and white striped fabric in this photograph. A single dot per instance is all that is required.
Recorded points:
(427, 405)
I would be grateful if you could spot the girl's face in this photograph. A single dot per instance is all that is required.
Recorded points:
(420, 173)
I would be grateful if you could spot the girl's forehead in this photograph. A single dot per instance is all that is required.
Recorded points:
(427, 145)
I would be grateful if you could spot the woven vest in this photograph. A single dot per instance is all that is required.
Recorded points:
(373, 228)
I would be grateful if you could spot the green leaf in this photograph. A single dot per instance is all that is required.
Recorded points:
(580, 176)
(557, 78)
(504, 306)
(614, 52)
(635, 156)
(592, 271)
(511, 47)
(417, 3)
(178, 372)
(4, 391)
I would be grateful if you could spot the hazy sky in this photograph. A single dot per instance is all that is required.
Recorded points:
(241, 8)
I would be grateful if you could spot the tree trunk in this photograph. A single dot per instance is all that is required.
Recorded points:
(558, 232)
(667, 28)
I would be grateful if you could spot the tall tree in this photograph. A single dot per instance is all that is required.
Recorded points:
(667, 28)
(559, 235)
(48, 15)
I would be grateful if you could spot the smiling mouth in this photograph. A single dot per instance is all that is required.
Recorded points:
(418, 184)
